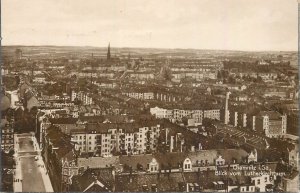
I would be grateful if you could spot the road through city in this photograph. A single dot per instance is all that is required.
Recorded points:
(32, 168)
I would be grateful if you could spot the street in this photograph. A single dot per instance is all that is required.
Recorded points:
(31, 169)
(32, 177)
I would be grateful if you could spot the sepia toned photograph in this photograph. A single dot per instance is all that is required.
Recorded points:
(149, 96)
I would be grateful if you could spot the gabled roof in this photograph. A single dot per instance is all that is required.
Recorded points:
(93, 180)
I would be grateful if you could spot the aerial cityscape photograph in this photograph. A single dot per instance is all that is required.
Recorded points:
(149, 96)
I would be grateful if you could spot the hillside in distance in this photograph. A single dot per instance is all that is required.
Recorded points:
(38, 52)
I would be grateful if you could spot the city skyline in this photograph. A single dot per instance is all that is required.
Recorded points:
(214, 25)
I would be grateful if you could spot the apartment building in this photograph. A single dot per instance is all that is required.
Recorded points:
(86, 98)
(7, 135)
(197, 113)
(106, 139)
(271, 123)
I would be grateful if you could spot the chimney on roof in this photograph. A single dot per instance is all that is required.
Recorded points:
(192, 148)
(200, 146)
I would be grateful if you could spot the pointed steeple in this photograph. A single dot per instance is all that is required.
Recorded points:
(108, 52)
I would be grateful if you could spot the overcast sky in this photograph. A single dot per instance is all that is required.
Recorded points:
(201, 24)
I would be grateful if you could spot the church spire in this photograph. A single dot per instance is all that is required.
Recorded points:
(108, 52)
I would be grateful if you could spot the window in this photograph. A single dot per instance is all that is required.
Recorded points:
(266, 179)
(258, 181)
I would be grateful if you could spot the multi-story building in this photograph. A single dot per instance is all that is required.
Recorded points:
(7, 135)
(59, 156)
(271, 123)
(140, 95)
(238, 117)
(106, 139)
(198, 113)
(84, 97)
(293, 123)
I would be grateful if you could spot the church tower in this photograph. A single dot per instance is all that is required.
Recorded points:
(108, 52)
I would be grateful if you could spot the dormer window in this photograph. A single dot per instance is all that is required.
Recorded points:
(187, 164)
(220, 161)
(153, 165)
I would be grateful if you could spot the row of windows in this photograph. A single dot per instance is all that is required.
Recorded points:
(7, 130)
(187, 166)
(7, 141)
(7, 136)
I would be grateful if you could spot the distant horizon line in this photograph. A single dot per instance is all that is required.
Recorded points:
(236, 50)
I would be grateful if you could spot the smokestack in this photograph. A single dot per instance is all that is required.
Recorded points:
(172, 144)
(226, 119)
(167, 130)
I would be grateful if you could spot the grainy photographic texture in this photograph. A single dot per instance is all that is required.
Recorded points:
(149, 96)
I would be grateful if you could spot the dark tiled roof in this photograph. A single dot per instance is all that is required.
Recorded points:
(83, 181)
(135, 182)
(5, 102)
(60, 141)
(99, 162)
(63, 120)
(133, 161)
(173, 160)
(272, 114)
(239, 155)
